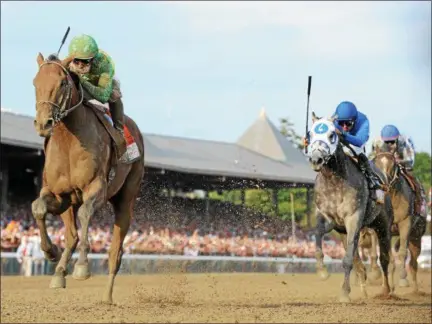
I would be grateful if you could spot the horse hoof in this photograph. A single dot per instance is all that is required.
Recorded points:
(344, 299)
(403, 283)
(375, 274)
(39, 208)
(58, 282)
(107, 300)
(81, 272)
(364, 290)
(54, 254)
(323, 274)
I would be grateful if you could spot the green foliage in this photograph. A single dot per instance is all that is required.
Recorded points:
(423, 169)
(286, 128)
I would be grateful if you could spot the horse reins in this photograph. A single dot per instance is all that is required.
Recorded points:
(397, 168)
(63, 112)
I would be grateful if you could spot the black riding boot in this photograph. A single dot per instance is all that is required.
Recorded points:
(374, 182)
(116, 110)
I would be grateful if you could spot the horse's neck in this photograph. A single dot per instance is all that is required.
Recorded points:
(339, 164)
(75, 125)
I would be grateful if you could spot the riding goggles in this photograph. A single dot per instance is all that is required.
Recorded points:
(347, 123)
(83, 61)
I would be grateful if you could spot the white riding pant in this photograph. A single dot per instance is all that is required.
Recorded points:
(356, 149)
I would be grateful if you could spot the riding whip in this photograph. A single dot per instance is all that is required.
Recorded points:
(63, 41)
(307, 108)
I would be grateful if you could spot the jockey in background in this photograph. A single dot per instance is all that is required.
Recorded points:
(404, 152)
(354, 128)
(95, 69)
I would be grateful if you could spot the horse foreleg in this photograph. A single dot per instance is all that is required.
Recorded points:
(382, 229)
(404, 231)
(322, 228)
(48, 203)
(93, 198)
(71, 238)
(375, 269)
(359, 268)
(352, 225)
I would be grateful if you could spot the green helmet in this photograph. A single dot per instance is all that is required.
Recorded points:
(83, 47)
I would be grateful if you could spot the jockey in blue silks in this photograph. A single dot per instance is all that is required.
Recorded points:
(354, 128)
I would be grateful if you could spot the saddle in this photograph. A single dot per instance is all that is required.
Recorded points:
(103, 114)
(408, 178)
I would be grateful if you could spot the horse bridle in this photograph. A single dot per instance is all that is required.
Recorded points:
(396, 166)
(61, 110)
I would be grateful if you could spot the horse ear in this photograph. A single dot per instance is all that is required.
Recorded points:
(333, 118)
(314, 117)
(67, 61)
(40, 59)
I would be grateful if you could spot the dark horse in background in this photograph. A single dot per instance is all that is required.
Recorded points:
(342, 199)
(79, 155)
(409, 227)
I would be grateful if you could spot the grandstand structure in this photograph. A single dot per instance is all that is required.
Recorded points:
(261, 158)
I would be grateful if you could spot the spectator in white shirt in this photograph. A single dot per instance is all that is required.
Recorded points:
(24, 255)
(37, 254)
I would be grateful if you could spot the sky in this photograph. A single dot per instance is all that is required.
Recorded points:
(205, 69)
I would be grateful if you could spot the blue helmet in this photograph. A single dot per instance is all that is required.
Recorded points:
(346, 110)
(389, 133)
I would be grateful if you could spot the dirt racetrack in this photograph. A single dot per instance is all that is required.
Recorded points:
(208, 298)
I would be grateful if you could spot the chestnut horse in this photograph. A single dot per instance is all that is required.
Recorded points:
(79, 155)
(409, 227)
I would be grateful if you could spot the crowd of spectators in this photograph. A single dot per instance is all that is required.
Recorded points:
(179, 226)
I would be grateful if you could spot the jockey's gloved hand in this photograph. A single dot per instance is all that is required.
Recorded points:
(84, 77)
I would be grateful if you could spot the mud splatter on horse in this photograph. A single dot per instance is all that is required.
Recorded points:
(79, 155)
(342, 199)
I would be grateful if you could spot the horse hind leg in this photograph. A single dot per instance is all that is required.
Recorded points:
(415, 249)
(71, 237)
(123, 204)
(93, 199)
(48, 203)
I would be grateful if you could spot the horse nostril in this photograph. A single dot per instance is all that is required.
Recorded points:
(34, 122)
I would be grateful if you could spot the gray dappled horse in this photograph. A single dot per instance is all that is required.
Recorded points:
(408, 226)
(343, 199)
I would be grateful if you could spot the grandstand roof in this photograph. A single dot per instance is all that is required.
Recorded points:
(194, 155)
(263, 137)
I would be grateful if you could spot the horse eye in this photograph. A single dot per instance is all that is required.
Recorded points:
(332, 137)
